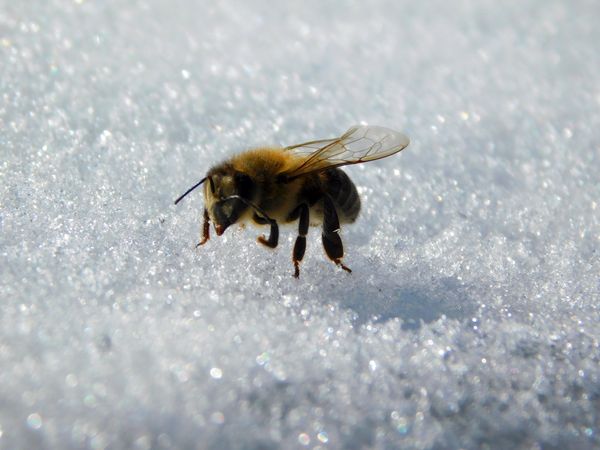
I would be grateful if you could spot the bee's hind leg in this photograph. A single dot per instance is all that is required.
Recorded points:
(330, 235)
(273, 235)
(205, 229)
(300, 213)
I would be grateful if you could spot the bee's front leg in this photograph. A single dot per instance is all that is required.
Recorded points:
(273, 235)
(330, 235)
(205, 229)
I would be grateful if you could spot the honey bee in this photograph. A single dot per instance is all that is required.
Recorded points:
(269, 186)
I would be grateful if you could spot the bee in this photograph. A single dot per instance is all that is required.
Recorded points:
(303, 183)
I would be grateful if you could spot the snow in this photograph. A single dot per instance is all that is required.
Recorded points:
(471, 317)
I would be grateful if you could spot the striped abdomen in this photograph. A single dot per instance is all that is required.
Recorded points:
(343, 193)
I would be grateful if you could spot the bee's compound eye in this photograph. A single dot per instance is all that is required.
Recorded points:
(227, 209)
(221, 213)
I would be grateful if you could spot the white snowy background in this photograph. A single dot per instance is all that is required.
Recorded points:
(471, 318)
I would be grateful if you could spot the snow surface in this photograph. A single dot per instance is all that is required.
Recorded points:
(471, 318)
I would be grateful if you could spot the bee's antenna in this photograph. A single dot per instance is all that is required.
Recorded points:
(212, 188)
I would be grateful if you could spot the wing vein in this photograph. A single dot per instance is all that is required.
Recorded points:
(357, 145)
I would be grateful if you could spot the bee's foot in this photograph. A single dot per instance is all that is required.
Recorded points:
(346, 268)
(266, 242)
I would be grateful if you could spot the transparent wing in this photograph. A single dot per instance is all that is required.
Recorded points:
(361, 143)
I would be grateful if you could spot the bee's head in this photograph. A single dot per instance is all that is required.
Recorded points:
(224, 195)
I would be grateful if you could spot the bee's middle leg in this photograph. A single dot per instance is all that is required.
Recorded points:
(330, 235)
(301, 213)
(273, 239)
(205, 229)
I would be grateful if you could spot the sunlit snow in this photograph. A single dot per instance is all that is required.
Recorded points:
(471, 317)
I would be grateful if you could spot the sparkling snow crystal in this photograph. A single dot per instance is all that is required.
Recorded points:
(471, 317)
